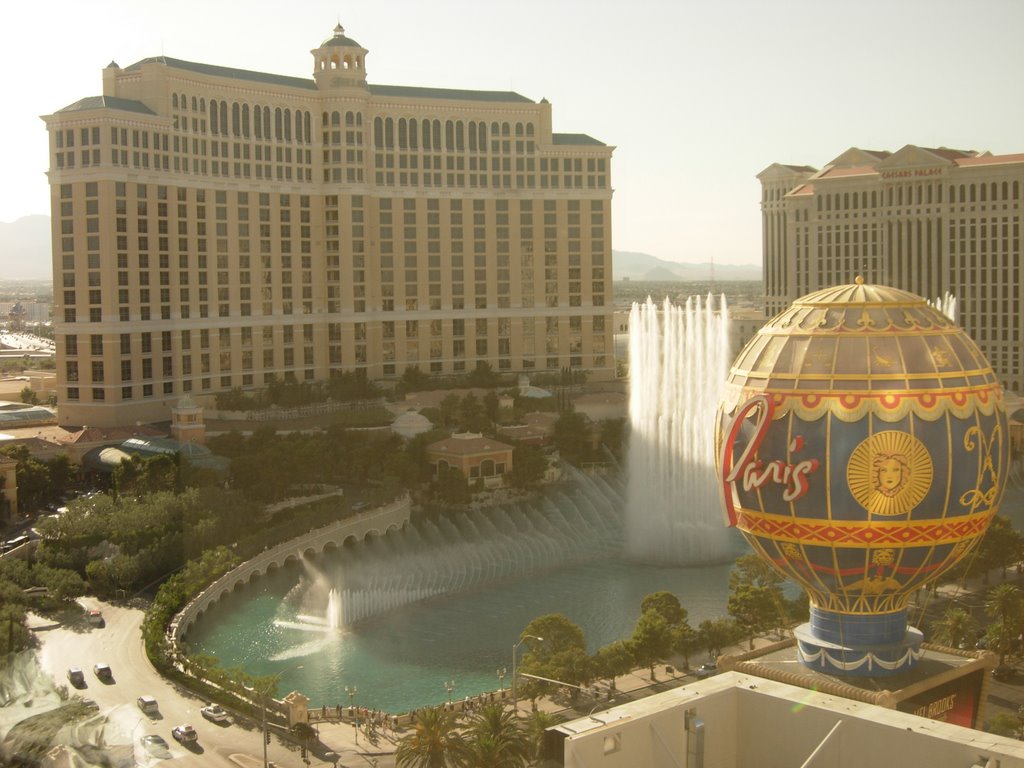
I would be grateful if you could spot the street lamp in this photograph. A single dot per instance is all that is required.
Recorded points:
(352, 691)
(515, 649)
(501, 678)
(449, 686)
(264, 733)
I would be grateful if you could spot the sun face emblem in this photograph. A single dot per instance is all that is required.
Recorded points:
(889, 473)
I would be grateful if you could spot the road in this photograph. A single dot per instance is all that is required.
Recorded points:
(119, 644)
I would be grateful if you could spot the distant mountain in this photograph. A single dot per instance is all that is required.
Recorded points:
(25, 255)
(25, 249)
(629, 265)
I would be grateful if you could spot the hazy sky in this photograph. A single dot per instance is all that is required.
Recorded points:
(697, 98)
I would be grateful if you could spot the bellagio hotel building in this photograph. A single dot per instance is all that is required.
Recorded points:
(927, 220)
(217, 228)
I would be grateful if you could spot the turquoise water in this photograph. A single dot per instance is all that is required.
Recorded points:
(401, 660)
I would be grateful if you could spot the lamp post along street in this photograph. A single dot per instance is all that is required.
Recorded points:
(515, 649)
(352, 691)
(449, 686)
(264, 732)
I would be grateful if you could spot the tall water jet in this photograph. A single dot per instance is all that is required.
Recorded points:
(947, 305)
(678, 363)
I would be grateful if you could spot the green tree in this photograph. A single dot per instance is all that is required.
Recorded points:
(956, 629)
(538, 722)
(493, 739)
(413, 379)
(716, 634)
(572, 437)
(434, 742)
(652, 640)
(666, 605)
(528, 466)
(561, 655)
(29, 396)
(613, 660)
(756, 601)
(1005, 603)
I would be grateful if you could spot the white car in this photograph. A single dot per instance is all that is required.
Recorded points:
(214, 713)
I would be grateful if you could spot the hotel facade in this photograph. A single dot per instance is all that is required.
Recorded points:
(924, 220)
(217, 228)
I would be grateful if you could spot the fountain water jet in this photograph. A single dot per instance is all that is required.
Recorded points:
(678, 362)
(431, 558)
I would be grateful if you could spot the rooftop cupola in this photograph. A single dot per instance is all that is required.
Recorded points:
(339, 62)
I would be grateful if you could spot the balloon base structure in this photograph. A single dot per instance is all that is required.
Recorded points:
(872, 645)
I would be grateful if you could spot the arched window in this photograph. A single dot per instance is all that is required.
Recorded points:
(359, 119)
(519, 129)
(266, 123)
(472, 136)
(378, 132)
(349, 118)
(426, 134)
(529, 130)
(174, 100)
(403, 134)
(389, 133)
(257, 122)
(487, 468)
(505, 129)
(287, 125)
(449, 135)
(306, 119)
(299, 135)
(983, 191)
(414, 142)
(214, 119)
(1005, 197)
(482, 136)
(245, 120)
(236, 119)
(437, 135)
(460, 136)
(972, 193)
(278, 128)
(202, 104)
(224, 118)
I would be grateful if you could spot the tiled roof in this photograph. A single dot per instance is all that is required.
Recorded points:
(833, 173)
(108, 102)
(237, 74)
(456, 94)
(576, 138)
(991, 160)
(468, 444)
(393, 91)
(801, 191)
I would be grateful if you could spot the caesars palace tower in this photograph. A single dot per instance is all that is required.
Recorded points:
(219, 228)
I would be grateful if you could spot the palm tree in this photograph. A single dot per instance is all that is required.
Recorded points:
(956, 628)
(435, 741)
(493, 739)
(1005, 603)
(539, 722)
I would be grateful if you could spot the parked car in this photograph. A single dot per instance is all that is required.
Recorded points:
(103, 672)
(148, 705)
(184, 734)
(214, 713)
(76, 677)
(95, 618)
(155, 745)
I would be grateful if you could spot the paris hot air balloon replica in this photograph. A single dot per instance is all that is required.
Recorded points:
(862, 449)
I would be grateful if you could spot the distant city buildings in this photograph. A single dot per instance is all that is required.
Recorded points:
(925, 220)
(216, 228)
